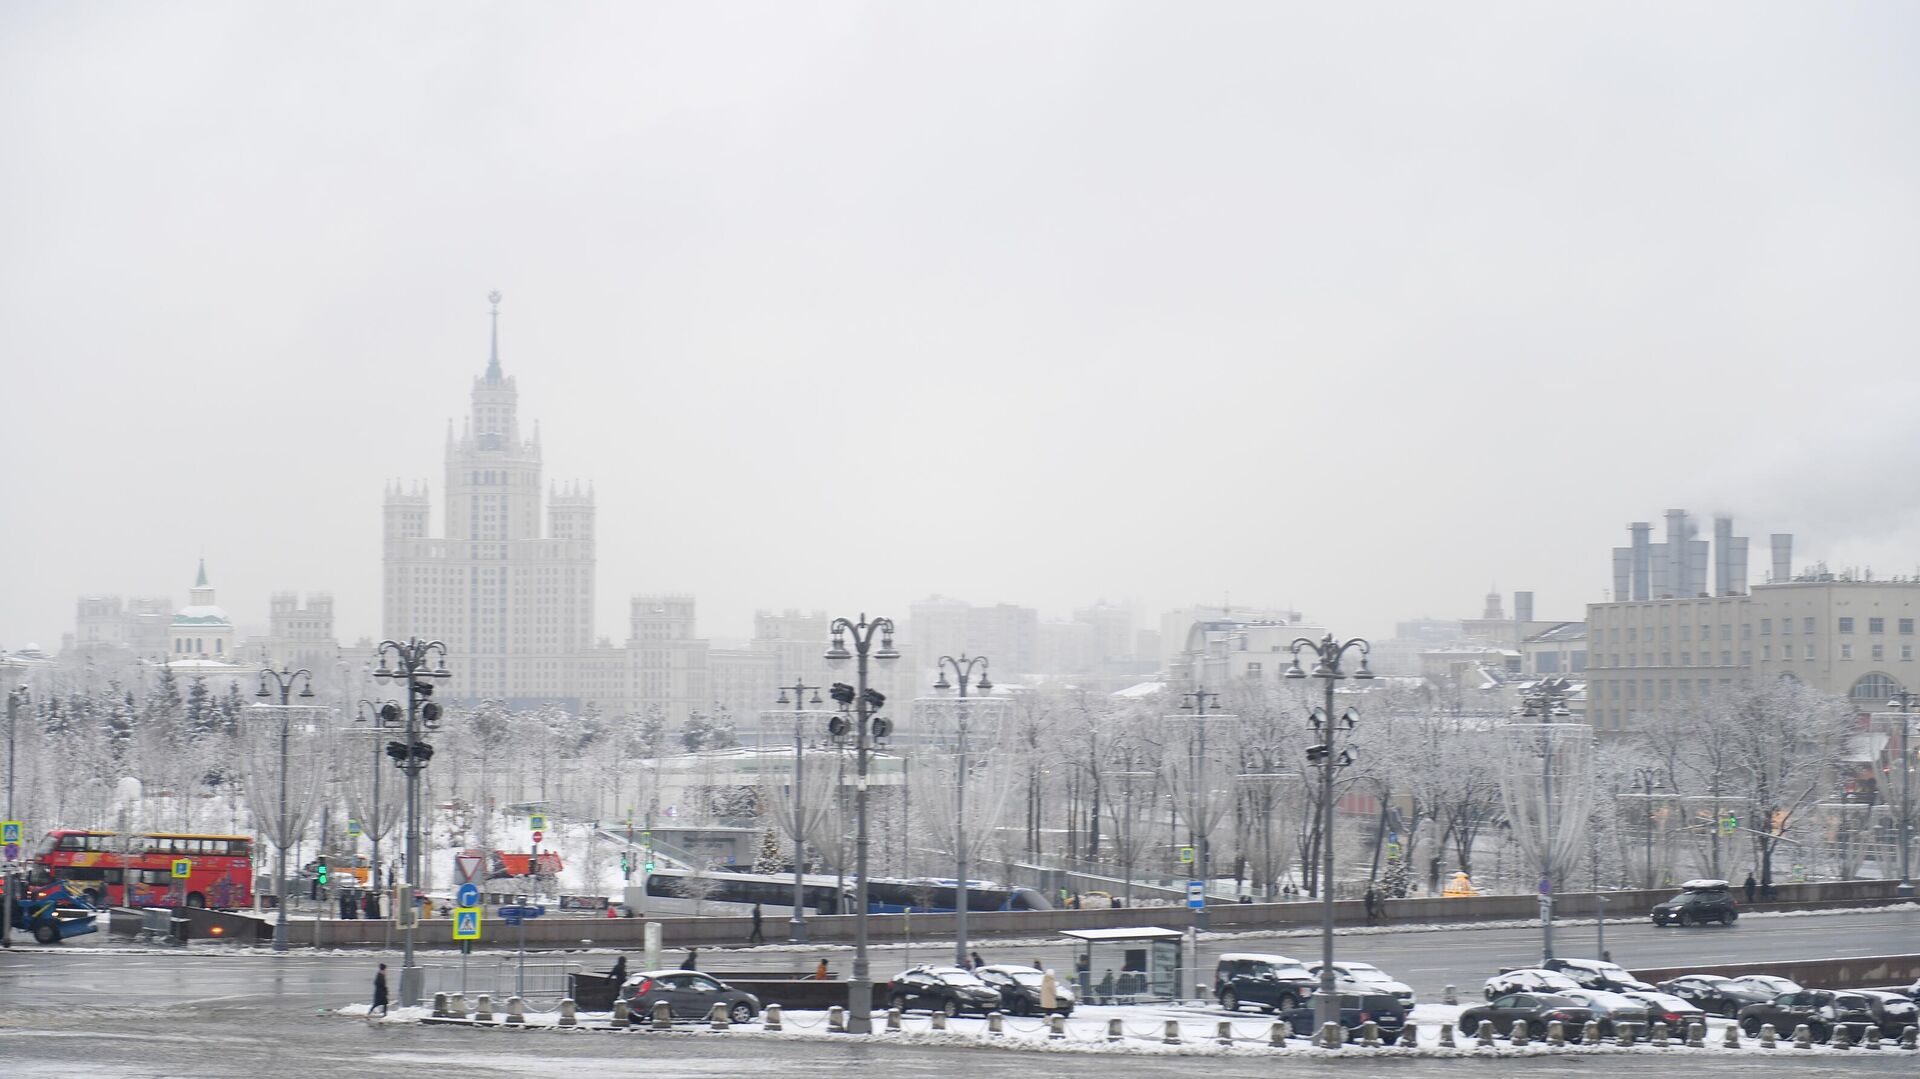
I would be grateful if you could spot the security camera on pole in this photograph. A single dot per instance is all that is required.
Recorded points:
(863, 704)
(409, 664)
(1328, 654)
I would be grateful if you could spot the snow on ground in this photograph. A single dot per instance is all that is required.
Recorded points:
(1143, 1030)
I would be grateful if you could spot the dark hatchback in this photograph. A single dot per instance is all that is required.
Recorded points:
(1383, 1010)
(1538, 1009)
(689, 994)
(1714, 994)
(1820, 1010)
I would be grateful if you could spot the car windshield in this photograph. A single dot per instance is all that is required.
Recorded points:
(959, 977)
(1025, 977)
(1613, 972)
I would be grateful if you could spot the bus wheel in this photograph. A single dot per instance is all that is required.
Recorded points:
(196, 900)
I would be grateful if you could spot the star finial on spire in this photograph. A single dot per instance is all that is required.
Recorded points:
(493, 362)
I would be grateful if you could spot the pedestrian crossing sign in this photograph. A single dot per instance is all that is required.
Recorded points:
(182, 868)
(466, 923)
(10, 831)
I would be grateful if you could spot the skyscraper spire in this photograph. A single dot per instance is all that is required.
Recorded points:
(493, 361)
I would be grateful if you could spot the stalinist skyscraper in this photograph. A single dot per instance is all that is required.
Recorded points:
(514, 606)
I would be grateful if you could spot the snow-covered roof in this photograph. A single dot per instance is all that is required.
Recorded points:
(201, 616)
(1144, 689)
(1145, 932)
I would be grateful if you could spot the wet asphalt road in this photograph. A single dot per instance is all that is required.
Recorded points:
(104, 1010)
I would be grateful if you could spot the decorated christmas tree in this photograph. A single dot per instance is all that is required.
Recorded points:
(770, 859)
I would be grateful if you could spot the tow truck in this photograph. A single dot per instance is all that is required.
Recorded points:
(51, 912)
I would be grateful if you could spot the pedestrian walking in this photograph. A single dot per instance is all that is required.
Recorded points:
(756, 937)
(1372, 900)
(691, 962)
(977, 961)
(619, 972)
(1749, 887)
(379, 991)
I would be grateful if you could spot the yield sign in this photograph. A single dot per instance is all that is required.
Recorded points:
(467, 867)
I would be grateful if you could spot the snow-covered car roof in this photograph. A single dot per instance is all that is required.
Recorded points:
(1261, 957)
(1704, 885)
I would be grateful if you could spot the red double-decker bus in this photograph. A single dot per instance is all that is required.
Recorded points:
(139, 871)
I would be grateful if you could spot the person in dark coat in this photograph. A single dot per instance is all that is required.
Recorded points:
(756, 937)
(619, 972)
(691, 962)
(1749, 887)
(379, 990)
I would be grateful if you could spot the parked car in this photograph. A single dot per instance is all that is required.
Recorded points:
(1677, 1012)
(1613, 1010)
(1271, 982)
(1538, 1009)
(1597, 974)
(1771, 984)
(1699, 902)
(1020, 989)
(1822, 1010)
(1719, 996)
(1384, 1010)
(1366, 978)
(689, 994)
(1528, 980)
(943, 989)
(1896, 1011)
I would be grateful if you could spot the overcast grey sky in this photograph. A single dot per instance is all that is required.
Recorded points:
(1356, 308)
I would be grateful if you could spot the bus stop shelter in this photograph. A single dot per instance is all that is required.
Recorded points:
(1126, 965)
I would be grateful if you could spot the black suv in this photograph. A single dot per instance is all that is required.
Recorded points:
(1272, 982)
(1384, 1010)
(1820, 1009)
(1699, 902)
(944, 989)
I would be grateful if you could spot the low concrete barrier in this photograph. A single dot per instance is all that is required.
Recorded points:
(1860, 972)
(561, 931)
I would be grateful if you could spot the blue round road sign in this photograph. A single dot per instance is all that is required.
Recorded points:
(467, 895)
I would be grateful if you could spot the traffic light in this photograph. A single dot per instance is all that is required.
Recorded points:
(320, 872)
(841, 692)
(626, 865)
(423, 689)
(876, 700)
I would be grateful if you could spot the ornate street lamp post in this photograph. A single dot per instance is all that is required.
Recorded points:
(1328, 654)
(407, 661)
(962, 672)
(285, 680)
(381, 715)
(864, 703)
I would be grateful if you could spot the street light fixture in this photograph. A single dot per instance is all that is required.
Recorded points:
(1328, 655)
(285, 680)
(1904, 701)
(797, 924)
(381, 715)
(1645, 782)
(409, 661)
(1545, 704)
(962, 672)
(863, 702)
(15, 697)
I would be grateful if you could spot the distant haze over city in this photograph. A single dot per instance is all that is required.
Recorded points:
(839, 306)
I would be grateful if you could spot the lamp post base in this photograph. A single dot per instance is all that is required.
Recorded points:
(1904, 889)
(796, 931)
(412, 982)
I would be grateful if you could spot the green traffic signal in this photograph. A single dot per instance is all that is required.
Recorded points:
(320, 872)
